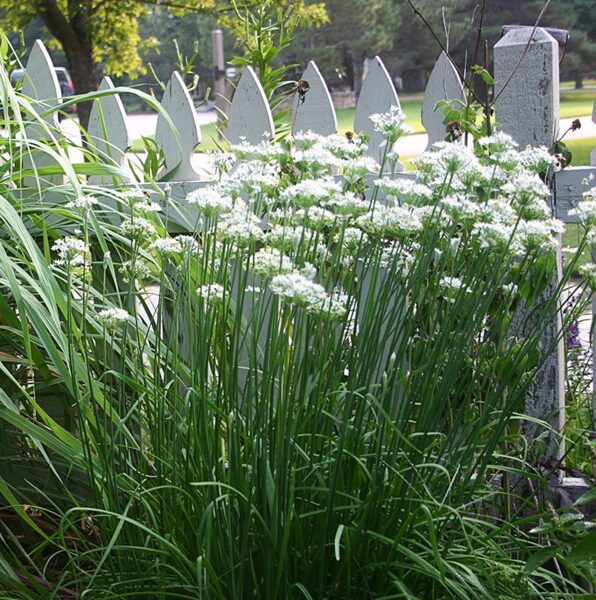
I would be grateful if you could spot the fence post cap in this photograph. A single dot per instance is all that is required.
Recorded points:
(521, 34)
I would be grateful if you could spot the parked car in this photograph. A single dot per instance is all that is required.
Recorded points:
(64, 80)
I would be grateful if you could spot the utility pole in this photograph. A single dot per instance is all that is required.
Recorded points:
(222, 104)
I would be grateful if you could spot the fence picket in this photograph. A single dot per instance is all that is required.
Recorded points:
(40, 84)
(178, 145)
(314, 110)
(376, 96)
(108, 130)
(527, 62)
(443, 84)
(527, 98)
(250, 115)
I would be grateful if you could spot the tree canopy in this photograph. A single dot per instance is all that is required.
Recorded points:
(106, 32)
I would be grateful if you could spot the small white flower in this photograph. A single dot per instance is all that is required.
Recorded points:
(536, 159)
(314, 217)
(146, 207)
(316, 160)
(585, 210)
(298, 289)
(269, 262)
(113, 317)
(355, 169)
(392, 124)
(498, 141)
(212, 294)
(167, 246)
(72, 252)
(392, 221)
(404, 191)
(210, 201)
(138, 228)
(309, 192)
(493, 235)
(309, 271)
(347, 203)
(588, 272)
(264, 151)
(454, 283)
(222, 161)
(537, 236)
(333, 306)
(525, 189)
(136, 270)
(253, 176)
(240, 227)
(451, 286)
(82, 203)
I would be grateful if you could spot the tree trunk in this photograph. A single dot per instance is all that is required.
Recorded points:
(83, 71)
(75, 36)
(358, 72)
(579, 81)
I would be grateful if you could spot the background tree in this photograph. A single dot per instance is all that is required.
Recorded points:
(106, 32)
(356, 30)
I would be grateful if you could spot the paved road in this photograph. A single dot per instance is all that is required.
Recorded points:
(144, 124)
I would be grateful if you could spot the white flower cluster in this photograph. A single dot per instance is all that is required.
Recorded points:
(269, 262)
(138, 228)
(585, 210)
(72, 253)
(211, 201)
(309, 192)
(391, 221)
(391, 125)
(82, 204)
(212, 294)
(112, 318)
(297, 288)
(302, 216)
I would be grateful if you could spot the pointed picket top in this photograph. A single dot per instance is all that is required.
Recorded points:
(377, 95)
(443, 84)
(40, 82)
(178, 146)
(107, 126)
(250, 116)
(313, 109)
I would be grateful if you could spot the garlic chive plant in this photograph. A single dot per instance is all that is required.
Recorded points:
(323, 401)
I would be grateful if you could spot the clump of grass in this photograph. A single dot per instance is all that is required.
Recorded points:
(323, 401)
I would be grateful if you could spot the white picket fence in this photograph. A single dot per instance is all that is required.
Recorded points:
(527, 107)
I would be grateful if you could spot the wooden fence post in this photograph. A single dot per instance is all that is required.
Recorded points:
(526, 62)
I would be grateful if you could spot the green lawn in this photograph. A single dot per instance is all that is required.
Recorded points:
(574, 103)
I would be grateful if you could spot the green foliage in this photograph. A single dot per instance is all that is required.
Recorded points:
(187, 448)
(264, 32)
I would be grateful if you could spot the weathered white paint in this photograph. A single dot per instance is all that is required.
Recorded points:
(376, 96)
(527, 107)
(569, 184)
(178, 144)
(443, 84)
(108, 130)
(250, 115)
(41, 85)
(316, 113)
(527, 92)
